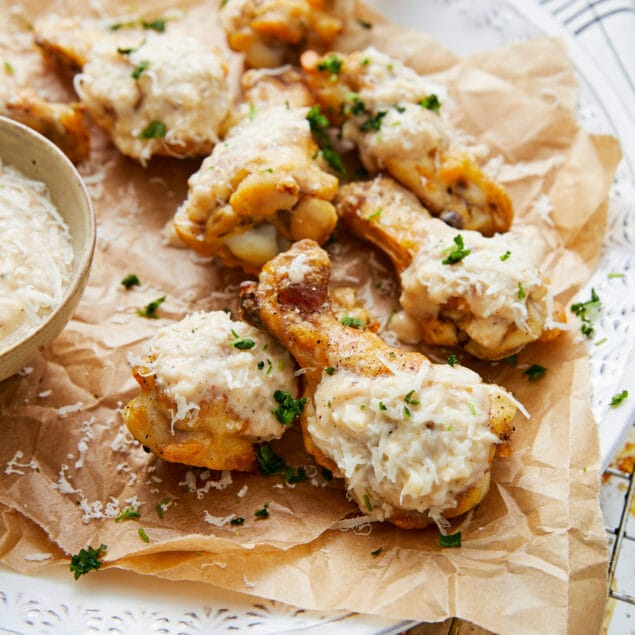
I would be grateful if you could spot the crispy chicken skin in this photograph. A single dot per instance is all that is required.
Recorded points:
(154, 94)
(271, 32)
(205, 401)
(62, 123)
(493, 302)
(399, 126)
(413, 440)
(264, 186)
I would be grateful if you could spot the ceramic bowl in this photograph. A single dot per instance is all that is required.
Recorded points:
(37, 158)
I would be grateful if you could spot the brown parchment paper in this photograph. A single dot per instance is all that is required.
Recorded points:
(534, 555)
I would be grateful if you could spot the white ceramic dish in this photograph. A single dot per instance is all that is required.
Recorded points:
(122, 602)
(39, 159)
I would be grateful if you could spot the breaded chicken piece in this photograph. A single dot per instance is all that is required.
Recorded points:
(264, 186)
(272, 32)
(208, 386)
(399, 126)
(62, 123)
(153, 93)
(414, 441)
(492, 301)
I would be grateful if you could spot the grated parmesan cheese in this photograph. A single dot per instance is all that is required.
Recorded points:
(36, 255)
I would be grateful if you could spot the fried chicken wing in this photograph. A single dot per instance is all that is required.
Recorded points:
(413, 440)
(271, 32)
(62, 123)
(397, 122)
(264, 185)
(207, 392)
(489, 297)
(154, 94)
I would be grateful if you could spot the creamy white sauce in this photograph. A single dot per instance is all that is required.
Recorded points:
(496, 291)
(195, 361)
(35, 257)
(183, 85)
(405, 440)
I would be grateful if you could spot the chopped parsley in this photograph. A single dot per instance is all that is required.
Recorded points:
(399, 108)
(127, 514)
(123, 25)
(512, 360)
(604, 340)
(472, 409)
(155, 25)
(268, 461)
(161, 507)
(295, 475)
(587, 311)
(616, 400)
(263, 512)
(358, 107)
(615, 275)
(127, 51)
(319, 123)
(506, 255)
(376, 552)
(407, 412)
(373, 123)
(452, 540)
(261, 365)
(142, 534)
(349, 320)
(87, 560)
(367, 503)
(252, 111)
(239, 520)
(365, 61)
(330, 370)
(452, 359)
(456, 253)
(522, 294)
(332, 64)
(375, 214)
(364, 23)
(242, 343)
(131, 280)
(138, 69)
(535, 371)
(154, 130)
(408, 399)
(431, 102)
(382, 406)
(150, 309)
(8, 68)
(289, 409)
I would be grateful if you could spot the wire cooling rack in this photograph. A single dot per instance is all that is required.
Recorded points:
(618, 490)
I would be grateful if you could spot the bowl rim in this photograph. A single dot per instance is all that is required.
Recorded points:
(83, 266)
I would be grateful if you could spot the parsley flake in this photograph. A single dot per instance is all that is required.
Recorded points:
(8, 68)
(451, 540)
(610, 276)
(295, 475)
(616, 400)
(154, 130)
(330, 370)
(522, 294)
(150, 309)
(239, 520)
(408, 399)
(268, 461)
(242, 343)
(587, 312)
(431, 102)
(367, 503)
(535, 371)
(87, 560)
(349, 320)
(289, 409)
(512, 360)
(263, 512)
(261, 365)
(131, 280)
(506, 255)
(332, 64)
(382, 406)
(142, 534)
(373, 123)
(138, 69)
(456, 253)
(364, 23)
(452, 359)
(375, 214)
(319, 123)
(127, 514)
(162, 506)
(376, 552)
(157, 25)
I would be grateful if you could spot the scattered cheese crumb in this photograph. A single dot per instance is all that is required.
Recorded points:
(45, 393)
(64, 411)
(218, 521)
(14, 466)
(243, 491)
(38, 557)
(248, 583)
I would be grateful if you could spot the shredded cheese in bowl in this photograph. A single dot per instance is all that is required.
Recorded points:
(36, 256)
